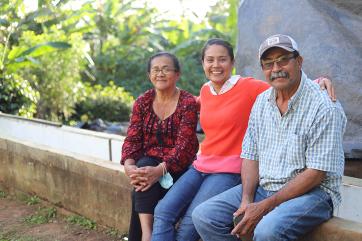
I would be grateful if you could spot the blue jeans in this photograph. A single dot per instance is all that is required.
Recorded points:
(289, 221)
(189, 191)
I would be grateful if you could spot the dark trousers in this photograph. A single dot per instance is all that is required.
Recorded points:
(145, 202)
(135, 231)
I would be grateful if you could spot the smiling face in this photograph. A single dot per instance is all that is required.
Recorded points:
(217, 64)
(163, 74)
(281, 69)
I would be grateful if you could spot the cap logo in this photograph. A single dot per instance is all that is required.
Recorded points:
(272, 41)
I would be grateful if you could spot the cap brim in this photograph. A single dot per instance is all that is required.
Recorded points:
(276, 46)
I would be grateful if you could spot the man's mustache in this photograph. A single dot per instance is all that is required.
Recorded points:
(280, 74)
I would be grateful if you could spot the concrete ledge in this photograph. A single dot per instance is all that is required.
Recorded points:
(336, 229)
(96, 189)
(99, 189)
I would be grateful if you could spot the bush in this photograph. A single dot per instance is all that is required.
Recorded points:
(17, 97)
(54, 73)
(110, 103)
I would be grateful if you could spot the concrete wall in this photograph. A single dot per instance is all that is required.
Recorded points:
(91, 187)
(351, 206)
(99, 189)
(56, 135)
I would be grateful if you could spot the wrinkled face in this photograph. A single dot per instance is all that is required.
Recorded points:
(281, 69)
(162, 73)
(217, 64)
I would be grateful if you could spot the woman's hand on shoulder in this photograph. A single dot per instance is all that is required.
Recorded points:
(326, 83)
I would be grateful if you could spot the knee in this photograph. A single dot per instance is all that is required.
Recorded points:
(164, 212)
(147, 161)
(267, 232)
(159, 209)
(198, 216)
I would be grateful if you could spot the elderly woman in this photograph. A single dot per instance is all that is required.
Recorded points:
(161, 140)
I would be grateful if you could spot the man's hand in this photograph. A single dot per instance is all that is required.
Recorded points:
(253, 213)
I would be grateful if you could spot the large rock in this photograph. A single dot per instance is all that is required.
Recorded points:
(329, 35)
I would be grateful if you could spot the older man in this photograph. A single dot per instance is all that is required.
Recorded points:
(293, 157)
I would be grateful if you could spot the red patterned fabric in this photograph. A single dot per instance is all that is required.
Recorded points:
(175, 143)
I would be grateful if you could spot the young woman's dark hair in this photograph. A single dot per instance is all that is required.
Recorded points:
(217, 41)
(175, 61)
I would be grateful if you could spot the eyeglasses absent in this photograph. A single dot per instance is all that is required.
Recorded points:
(164, 70)
(281, 61)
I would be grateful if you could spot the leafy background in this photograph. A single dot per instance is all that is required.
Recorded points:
(67, 65)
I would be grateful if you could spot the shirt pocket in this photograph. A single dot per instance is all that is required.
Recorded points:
(296, 147)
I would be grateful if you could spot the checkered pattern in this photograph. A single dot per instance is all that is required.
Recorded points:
(308, 135)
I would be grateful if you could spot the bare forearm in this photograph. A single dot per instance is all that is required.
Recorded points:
(298, 186)
(250, 179)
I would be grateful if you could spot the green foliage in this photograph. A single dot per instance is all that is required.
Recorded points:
(17, 96)
(54, 75)
(43, 215)
(32, 200)
(112, 232)
(2, 194)
(223, 17)
(48, 55)
(10, 236)
(110, 103)
(81, 221)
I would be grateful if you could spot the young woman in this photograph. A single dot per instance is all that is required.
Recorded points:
(226, 103)
(161, 140)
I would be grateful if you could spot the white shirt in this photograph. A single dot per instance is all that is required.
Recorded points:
(228, 85)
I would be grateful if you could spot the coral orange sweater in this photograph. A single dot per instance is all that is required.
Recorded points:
(224, 119)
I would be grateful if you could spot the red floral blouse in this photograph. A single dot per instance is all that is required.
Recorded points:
(172, 140)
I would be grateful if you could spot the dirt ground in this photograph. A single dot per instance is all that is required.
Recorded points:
(13, 226)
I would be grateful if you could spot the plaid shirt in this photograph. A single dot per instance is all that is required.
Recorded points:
(308, 135)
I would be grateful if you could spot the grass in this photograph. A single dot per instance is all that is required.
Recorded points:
(43, 215)
(32, 200)
(29, 200)
(81, 221)
(11, 236)
(2, 195)
(114, 233)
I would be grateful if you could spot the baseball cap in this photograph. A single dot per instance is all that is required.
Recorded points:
(279, 40)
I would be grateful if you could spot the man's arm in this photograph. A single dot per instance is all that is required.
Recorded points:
(254, 212)
(250, 180)
(301, 184)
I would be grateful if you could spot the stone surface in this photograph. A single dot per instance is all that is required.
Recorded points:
(329, 35)
(336, 229)
(96, 189)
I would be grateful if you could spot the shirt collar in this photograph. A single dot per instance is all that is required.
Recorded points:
(228, 85)
(294, 99)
